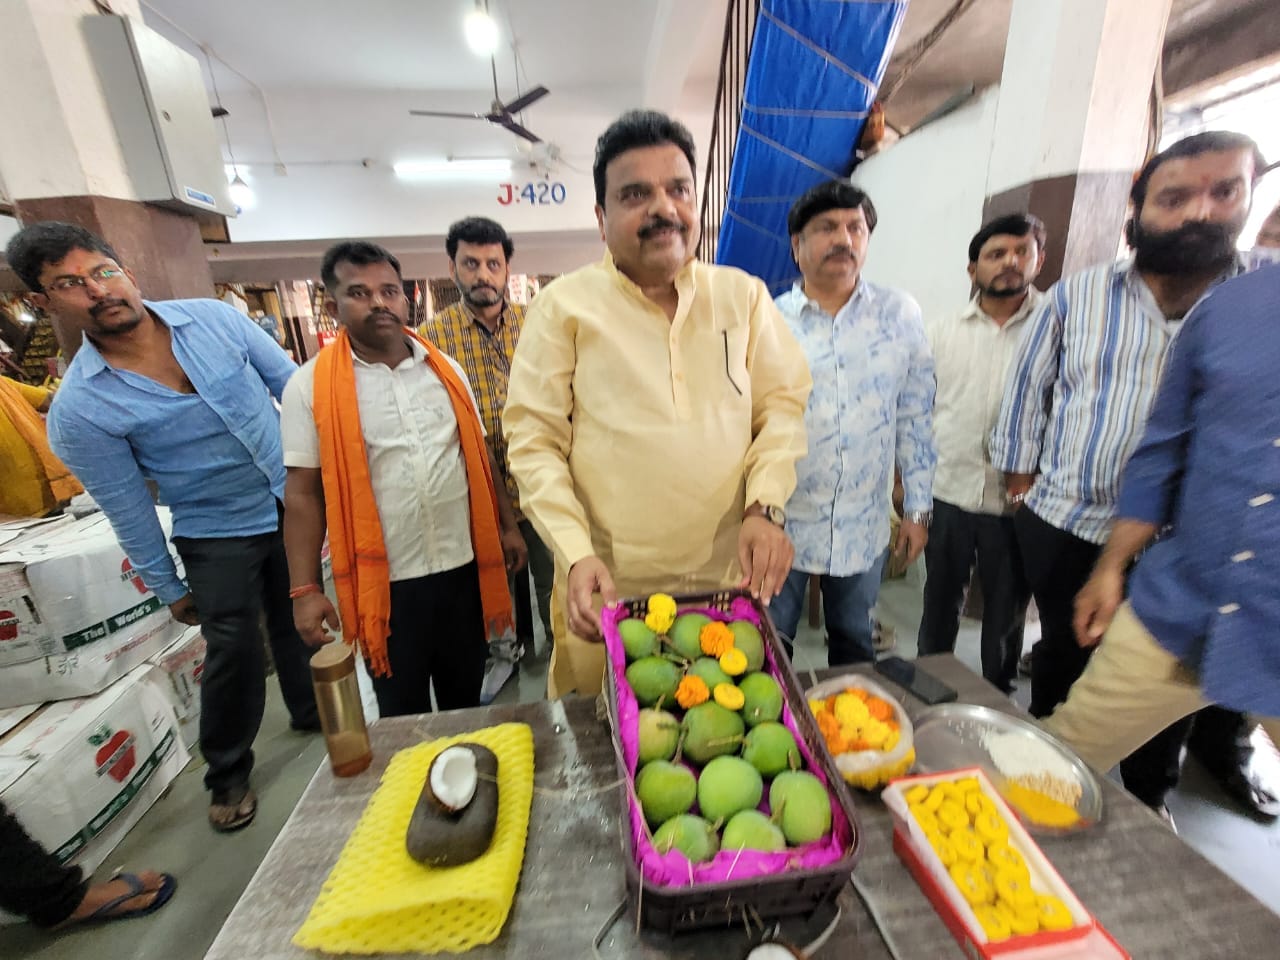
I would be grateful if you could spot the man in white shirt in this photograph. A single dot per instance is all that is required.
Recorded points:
(972, 515)
(420, 581)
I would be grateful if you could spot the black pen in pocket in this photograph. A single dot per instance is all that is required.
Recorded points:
(727, 372)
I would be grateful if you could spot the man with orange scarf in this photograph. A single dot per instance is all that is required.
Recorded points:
(383, 447)
(33, 481)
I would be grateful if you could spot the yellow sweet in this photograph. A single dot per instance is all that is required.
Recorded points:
(927, 819)
(916, 794)
(993, 924)
(971, 883)
(1053, 913)
(952, 816)
(733, 662)
(952, 792)
(1015, 890)
(976, 803)
(990, 827)
(968, 846)
(934, 800)
(968, 785)
(943, 848)
(1004, 858)
(1021, 922)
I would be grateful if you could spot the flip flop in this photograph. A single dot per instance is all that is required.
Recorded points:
(110, 910)
(244, 808)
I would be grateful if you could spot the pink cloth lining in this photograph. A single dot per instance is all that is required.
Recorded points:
(674, 869)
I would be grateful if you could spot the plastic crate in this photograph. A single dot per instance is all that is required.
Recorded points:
(792, 892)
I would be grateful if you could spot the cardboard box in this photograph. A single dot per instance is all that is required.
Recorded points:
(89, 669)
(181, 666)
(12, 717)
(68, 585)
(81, 773)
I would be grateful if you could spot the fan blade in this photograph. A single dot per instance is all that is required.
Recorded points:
(520, 103)
(518, 130)
(442, 113)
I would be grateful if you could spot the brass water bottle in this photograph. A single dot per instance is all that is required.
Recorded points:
(333, 674)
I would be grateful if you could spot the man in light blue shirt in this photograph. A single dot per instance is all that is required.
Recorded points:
(871, 406)
(179, 393)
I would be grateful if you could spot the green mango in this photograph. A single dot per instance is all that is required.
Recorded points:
(762, 698)
(689, 834)
(801, 806)
(747, 639)
(771, 748)
(752, 830)
(684, 634)
(637, 639)
(711, 731)
(653, 679)
(665, 789)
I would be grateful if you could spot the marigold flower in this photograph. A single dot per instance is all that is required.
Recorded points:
(692, 691)
(661, 613)
(715, 638)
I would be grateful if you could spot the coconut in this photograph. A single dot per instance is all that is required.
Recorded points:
(452, 779)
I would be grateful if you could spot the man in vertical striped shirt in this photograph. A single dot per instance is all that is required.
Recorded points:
(1083, 383)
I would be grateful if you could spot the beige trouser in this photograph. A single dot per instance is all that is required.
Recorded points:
(1132, 689)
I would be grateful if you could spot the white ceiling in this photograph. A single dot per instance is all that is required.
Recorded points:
(326, 89)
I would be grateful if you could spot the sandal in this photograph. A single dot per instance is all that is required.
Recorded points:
(232, 810)
(111, 909)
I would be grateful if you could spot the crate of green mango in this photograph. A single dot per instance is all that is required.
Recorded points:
(733, 807)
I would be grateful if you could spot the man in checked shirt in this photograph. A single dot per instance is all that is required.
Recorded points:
(481, 332)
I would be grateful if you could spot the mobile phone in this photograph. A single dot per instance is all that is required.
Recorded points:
(921, 685)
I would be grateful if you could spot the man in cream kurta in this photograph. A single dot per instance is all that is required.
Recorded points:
(655, 410)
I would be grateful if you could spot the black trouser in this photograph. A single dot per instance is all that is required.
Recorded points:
(1057, 566)
(437, 640)
(33, 884)
(542, 568)
(955, 537)
(234, 580)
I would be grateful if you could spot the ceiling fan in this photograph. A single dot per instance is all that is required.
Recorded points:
(500, 114)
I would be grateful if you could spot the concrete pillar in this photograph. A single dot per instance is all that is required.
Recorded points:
(1072, 120)
(60, 157)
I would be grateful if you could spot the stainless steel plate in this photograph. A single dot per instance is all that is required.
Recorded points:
(950, 736)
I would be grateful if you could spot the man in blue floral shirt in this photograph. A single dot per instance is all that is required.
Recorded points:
(871, 407)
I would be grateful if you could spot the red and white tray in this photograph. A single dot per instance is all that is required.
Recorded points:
(1087, 940)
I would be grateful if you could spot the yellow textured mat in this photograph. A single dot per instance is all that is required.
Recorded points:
(377, 899)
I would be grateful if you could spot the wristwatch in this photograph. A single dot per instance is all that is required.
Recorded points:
(922, 517)
(775, 515)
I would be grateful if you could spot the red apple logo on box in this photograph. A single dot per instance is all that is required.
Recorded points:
(8, 625)
(128, 573)
(117, 755)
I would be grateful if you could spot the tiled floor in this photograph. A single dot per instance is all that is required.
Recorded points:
(213, 870)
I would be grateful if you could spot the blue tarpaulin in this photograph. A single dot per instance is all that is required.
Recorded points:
(813, 74)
